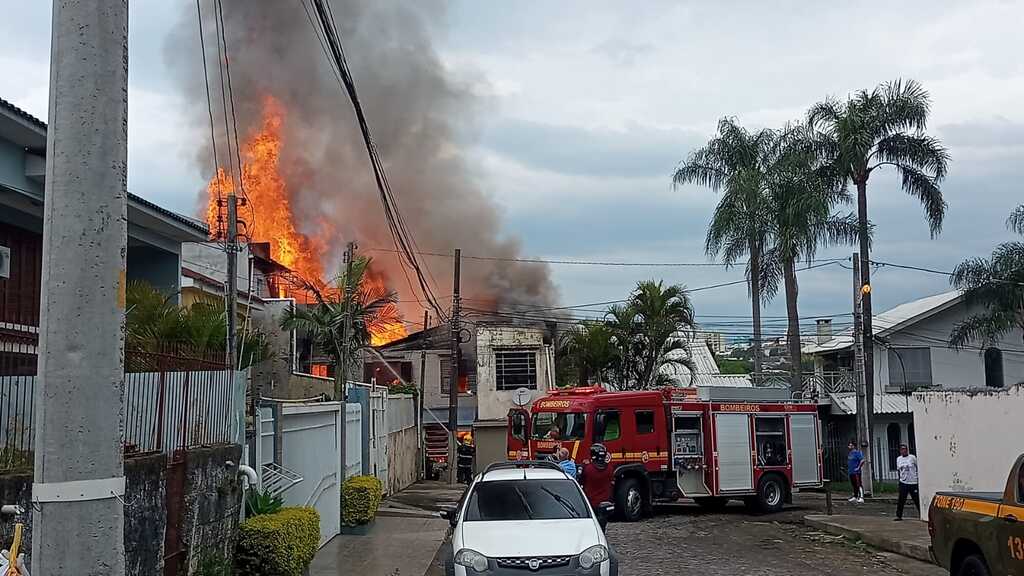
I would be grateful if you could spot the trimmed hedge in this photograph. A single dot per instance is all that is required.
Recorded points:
(279, 544)
(362, 498)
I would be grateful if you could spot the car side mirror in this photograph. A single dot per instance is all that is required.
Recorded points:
(450, 514)
(604, 513)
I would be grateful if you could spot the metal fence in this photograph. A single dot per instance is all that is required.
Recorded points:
(173, 399)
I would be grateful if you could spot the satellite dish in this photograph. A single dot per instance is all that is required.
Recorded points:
(522, 397)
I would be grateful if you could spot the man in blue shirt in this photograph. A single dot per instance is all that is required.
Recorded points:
(854, 464)
(566, 463)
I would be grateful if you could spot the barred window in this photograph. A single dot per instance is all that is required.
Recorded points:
(515, 369)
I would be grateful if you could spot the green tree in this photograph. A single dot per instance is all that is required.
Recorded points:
(650, 332)
(588, 353)
(373, 309)
(155, 323)
(884, 127)
(802, 192)
(996, 285)
(735, 162)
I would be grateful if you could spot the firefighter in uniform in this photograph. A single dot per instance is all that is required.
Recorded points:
(464, 459)
(597, 477)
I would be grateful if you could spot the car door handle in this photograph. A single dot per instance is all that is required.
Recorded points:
(1010, 518)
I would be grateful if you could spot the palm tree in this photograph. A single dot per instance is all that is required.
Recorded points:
(373, 310)
(588, 350)
(997, 286)
(735, 161)
(871, 130)
(155, 323)
(802, 191)
(649, 331)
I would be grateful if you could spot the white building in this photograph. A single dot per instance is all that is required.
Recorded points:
(911, 353)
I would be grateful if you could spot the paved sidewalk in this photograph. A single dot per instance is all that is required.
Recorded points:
(403, 540)
(393, 547)
(908, 538)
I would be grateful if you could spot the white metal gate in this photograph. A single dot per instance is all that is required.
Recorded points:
(379, 436)
(732, 441)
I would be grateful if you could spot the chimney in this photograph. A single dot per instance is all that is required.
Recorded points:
(824, 330)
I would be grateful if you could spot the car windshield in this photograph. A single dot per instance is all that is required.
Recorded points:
(526, 500)
(559, 425)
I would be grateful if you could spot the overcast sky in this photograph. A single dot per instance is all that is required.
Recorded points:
(585, 108)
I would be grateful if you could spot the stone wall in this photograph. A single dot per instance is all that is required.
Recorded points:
(210, 521)
(403, 451)
(213, 499)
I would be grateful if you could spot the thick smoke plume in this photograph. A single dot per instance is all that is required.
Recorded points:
(419, 117)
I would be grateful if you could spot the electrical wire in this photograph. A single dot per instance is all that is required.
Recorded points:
(209, 108)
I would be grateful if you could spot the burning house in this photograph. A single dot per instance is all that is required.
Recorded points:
(301, 172)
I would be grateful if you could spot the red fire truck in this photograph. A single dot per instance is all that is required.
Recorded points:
(669, 444)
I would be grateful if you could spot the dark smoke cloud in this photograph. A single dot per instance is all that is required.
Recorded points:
(419, 115)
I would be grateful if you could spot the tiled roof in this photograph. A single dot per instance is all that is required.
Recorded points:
(23, 114)
(846, 403)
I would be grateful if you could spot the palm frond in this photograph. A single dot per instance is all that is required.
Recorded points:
(926, 190)
(1016, 220)
(920, 151)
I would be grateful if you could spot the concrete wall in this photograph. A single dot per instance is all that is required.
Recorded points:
(403, 454)
(967, 441)
(145, 518)
(213, 499)
(494, 404)
(491, 443)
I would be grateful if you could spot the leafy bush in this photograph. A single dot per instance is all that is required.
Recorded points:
(257, 503)
(362, 498)
(281, 544)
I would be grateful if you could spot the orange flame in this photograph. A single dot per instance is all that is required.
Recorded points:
(268, 213)
(268, 216)
(387, 326)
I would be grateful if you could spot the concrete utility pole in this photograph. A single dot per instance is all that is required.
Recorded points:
(863, 419)
(453, 377)
(78, 521)
(232, 286)
(341, 371)
(422, 460)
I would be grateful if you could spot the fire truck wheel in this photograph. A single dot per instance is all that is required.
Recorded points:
(771, 494)
(629, 500)
(712, 503)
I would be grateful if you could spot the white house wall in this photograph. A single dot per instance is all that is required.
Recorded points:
(952, 369)
(494, 404)
(967, 441)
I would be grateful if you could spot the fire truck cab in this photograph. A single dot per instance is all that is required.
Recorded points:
(669, 444)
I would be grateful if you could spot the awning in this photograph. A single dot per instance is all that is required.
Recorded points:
(846, 403)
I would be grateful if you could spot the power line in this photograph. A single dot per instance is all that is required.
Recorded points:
(939, 272)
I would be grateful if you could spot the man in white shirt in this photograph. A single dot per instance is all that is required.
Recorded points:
(906, 463)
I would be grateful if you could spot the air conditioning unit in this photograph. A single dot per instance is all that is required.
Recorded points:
(5, 262)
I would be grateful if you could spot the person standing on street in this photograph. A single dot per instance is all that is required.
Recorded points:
(906, 463)
(464, 459)
(854, 465)
(597, 476)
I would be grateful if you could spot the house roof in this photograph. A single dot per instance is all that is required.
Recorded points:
(845, 403)
(28, 131)
(894, 320)
(706, 369)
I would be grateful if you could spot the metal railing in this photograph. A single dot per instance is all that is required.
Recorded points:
(174, 398)
(815, 384)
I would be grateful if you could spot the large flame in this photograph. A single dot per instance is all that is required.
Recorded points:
(386, 326)
(268, 217)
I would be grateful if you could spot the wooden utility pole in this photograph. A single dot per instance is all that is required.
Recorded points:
(453, 373)
(341, 371)
(77, 496)
(422, 460)
(863, 407)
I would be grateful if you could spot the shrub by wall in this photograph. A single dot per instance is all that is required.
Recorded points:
(362, 498)
(279, 544)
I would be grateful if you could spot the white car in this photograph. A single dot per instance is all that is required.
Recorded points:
(523, 518)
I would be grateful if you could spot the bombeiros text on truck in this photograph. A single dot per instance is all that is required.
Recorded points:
(670, 443)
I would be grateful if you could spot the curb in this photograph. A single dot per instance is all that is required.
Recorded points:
(910, 550)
